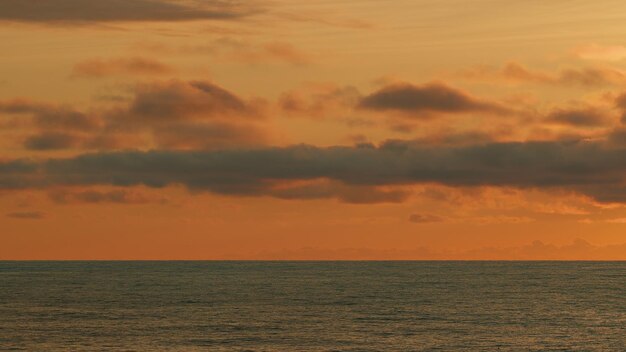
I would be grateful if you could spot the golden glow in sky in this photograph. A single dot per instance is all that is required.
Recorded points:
(163, 129)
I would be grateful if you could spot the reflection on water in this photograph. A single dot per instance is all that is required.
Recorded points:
(312, 306)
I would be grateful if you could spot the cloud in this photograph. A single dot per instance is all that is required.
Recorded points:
(579, 117)
(86, 11)
(29, 215)
(134, 66)
(51, 116)
(593, 169)
(52, 140)
(190, 115)
(162, 114)
(180, 100)
(433, 97)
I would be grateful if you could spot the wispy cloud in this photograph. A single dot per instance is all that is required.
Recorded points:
(515, 72)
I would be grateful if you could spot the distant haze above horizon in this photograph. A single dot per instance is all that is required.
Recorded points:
(360, 129)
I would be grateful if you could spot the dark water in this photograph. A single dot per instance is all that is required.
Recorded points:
(312, 306)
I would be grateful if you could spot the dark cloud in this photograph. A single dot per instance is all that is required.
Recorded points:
(48, 141)
(584, 117)
(50, 116)
(66, 119)
(590, 168)
(163, 114)
(179, 100)
(86, 11)
(52, 141)
(432, 97)
(171, 100)
(189, 115)
(28, 215)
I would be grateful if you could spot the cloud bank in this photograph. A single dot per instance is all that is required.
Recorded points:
(590, 168)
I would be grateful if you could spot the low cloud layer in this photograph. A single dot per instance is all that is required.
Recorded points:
(588, 168)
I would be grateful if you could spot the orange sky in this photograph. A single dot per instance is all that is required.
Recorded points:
(164, 129)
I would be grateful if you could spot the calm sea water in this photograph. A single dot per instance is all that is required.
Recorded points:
(312, 306)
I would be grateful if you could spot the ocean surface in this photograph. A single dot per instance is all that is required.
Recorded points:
(313, 306)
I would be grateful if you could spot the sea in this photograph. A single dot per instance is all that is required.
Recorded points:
(312, 306)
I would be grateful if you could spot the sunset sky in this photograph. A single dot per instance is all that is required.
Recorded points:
(291, 129)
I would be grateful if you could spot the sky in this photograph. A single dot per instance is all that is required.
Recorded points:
(303, 130)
